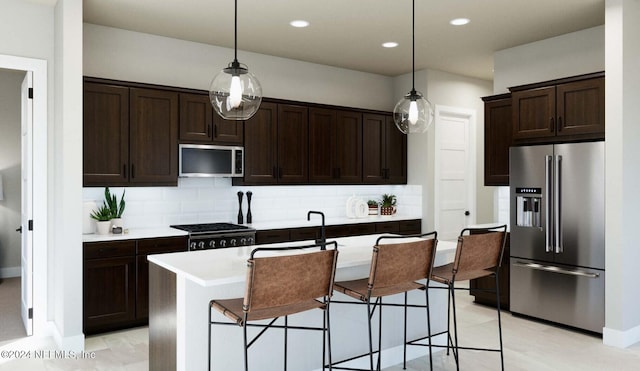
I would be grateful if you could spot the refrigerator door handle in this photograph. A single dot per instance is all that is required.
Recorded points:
(550, 268)
(548, 179)
(557, 205)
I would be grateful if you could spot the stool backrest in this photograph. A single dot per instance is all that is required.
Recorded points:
(289, 279)
(482, 249)
(403, 262)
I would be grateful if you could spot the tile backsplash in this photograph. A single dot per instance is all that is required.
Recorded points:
(199, 200)
(502, 197)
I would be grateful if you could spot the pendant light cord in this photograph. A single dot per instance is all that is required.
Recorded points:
(413, 38)
(235, 33)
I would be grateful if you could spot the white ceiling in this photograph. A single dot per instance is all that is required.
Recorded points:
(349, 33)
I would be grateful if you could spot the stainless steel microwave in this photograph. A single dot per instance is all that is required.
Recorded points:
(201, 160)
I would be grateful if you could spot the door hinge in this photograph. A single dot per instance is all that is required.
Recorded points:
(30, 313)
(30, 93)
(30, 225)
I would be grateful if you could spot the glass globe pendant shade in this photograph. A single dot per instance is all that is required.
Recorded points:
(413, 113)
(235, 93)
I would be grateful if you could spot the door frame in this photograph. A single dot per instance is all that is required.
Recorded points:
(469, 114)
(39, 181)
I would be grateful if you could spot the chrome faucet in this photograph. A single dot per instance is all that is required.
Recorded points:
(323, 238)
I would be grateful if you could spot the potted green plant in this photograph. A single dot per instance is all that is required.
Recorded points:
(388, 204)
(373, 207)
(103, 217)
(116, 208)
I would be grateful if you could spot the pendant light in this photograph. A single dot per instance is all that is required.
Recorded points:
(413, 113)
(235, 93)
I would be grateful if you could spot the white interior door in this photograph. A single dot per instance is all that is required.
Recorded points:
(454, 189)
(27, 202)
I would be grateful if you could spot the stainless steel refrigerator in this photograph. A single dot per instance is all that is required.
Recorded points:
(557, 233)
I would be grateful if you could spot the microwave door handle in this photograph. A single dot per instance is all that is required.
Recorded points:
(557, 207)
(548, 164)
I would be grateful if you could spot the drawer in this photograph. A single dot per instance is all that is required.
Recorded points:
(301, 234)
(272, 236)
(388, 227)
(109, 249)
(362, 229)
(411, 227)
(334, 231)
(162, 245)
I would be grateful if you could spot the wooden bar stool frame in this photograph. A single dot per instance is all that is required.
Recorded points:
(261, 302)
(472, 261)
(384, 281)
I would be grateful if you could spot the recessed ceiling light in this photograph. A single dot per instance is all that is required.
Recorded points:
(390, 44)
(299, 23)
(459, 21)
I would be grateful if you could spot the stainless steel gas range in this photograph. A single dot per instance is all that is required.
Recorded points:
(218, 235)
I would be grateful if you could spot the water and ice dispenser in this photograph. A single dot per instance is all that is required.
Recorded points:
(528, 207)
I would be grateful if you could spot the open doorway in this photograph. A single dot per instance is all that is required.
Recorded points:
(31, 175)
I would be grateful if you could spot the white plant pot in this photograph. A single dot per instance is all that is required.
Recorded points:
(103, 227)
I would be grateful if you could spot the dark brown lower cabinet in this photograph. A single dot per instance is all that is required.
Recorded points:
(488, 283)
(116, 281)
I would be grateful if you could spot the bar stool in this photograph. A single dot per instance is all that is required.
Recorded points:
(395, 268)
(478, 254)
(278, 286)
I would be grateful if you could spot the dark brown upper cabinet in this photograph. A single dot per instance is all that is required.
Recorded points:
(384, 159)
(105, 135)
(335, 146)
(130, 136)
(200, 124)
(570, 109)
(276, 145)
(497, 139)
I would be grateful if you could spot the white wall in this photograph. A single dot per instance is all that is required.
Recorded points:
(622, 318)
(10, 160)
(133, 56)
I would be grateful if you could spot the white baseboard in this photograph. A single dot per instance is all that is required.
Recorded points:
(393, 356)
(620, 339)
(10, 272)
(71, 343)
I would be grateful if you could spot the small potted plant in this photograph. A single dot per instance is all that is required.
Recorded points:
(373, 207)
(116, 208)
(103, 218)
(388, 204)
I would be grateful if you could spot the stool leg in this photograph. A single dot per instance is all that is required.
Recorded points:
(499, 320)
(328, 332)
(246, 347)
(286, 328)
(404, 356)
(379, 332)
(456, 352)
(449, 341)
(426, 293)
(370, 333)
(209, 347)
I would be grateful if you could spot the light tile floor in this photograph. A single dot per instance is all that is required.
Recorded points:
(529, 345)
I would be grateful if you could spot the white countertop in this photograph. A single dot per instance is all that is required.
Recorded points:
(135, 234)
(316, 221)
(223, 266)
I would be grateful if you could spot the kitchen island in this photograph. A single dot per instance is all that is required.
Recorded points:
(182, 284)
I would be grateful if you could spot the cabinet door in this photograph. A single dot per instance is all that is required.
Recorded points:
(196, 115)
(105, 135)
(497, 139)
(293, 144)
(145, 248)
(395, 149)
(154, 137)
(373, 142)
(109, 293)
(348, 147)
(534, 113)
(260, 146)
(227, 131)
(580, 108)
(322, 146)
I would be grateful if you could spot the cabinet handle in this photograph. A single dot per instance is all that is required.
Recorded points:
(124, 171)
(215, 131)
(559, 123)
(209, 130)
(551, 125)
(133, 172)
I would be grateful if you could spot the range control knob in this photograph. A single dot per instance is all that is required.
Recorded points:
(243, 242)
(223, 243)
(192, 245)
(233, 242)
(250, 241)
(212, 244)
(201, 245)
